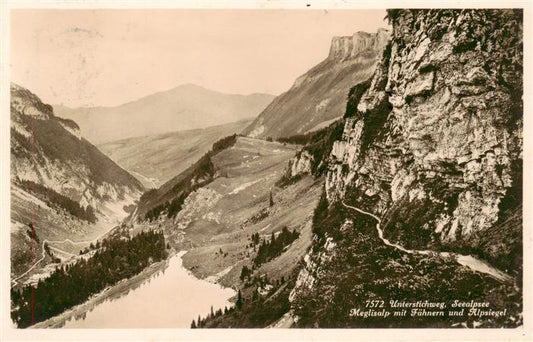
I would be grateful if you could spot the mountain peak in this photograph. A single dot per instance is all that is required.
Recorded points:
(184, 107)
(191, 86)
(343, 47)
(27, 103)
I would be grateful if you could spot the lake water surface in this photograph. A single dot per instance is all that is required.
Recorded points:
(171, 299)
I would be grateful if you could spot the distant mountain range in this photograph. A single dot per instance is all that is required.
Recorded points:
(182, 108)
(319, 96)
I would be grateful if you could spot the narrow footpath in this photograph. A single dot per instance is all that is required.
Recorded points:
(14, 282)
(469, 261)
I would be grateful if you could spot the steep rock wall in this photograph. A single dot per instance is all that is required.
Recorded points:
(349, 46)
(440, 126)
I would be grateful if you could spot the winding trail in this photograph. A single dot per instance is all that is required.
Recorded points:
(14, 282)
(469, 261)
(148, 179)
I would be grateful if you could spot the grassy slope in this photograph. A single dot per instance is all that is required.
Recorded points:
(49, 223)
(160, 157)
(225, 213)
(299, 109)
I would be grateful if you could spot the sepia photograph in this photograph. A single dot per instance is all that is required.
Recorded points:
(300, 167)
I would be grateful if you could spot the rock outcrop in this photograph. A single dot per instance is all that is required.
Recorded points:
(300, 164)
(319, 95)
(349, 46)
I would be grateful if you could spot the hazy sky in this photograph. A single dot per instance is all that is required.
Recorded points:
(108, 57)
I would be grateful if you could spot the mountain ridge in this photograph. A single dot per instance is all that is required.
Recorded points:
(170, 90)
(61, 185)
(181, 108)
(320, 94)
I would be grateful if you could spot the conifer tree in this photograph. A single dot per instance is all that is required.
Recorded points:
(239, 300)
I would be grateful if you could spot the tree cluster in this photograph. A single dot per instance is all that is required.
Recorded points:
(32, 234)
(172, 208)
(245, 272)
(260, 216)
(270, 249)
(224, 143)
(199, 174)
(53, 198)
(254, 311)
(70, 285)
(256, 239)
(201, 322)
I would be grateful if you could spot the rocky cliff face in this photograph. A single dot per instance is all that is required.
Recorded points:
(451, 133)
(49, 151)
(319, 95)
(350, 46)
(300, 164)
(434, 149)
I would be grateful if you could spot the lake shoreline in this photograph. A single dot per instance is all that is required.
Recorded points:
(115, 291)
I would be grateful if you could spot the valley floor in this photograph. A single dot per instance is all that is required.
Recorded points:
(217, 220)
